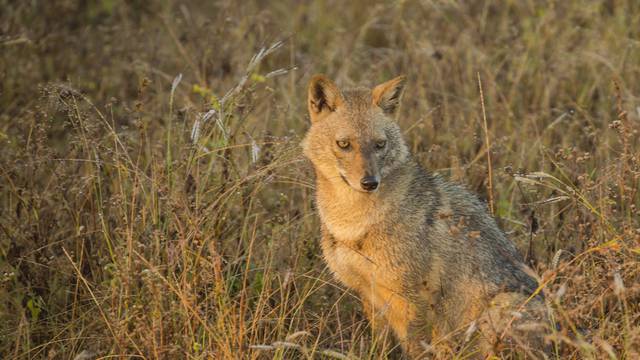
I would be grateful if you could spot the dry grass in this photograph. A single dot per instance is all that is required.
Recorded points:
(132, 224)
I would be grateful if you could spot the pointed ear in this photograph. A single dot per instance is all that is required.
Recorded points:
(324, 97)
(387, 95)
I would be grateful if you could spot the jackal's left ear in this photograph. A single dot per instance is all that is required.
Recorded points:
(323, 97)
(387, 95)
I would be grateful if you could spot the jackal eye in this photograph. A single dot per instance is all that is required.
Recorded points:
(381, 144)
(343, 144)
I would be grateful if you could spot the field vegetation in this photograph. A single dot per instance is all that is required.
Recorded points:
(154, 202)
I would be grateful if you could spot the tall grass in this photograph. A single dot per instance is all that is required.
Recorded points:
(155, 204)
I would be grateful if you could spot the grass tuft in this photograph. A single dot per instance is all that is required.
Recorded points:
(154, 202)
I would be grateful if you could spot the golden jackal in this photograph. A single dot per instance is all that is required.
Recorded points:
(423, 254)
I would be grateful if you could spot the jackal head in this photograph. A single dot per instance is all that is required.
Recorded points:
(353, 140)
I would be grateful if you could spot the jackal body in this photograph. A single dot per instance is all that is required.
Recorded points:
(422, 253)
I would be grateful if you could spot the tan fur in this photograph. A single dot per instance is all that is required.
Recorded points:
(422, 254)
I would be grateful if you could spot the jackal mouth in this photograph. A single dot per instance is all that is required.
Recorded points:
(344, 179)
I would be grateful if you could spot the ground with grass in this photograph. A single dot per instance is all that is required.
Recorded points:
(154, 202)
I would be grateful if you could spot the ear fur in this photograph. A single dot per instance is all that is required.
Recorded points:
(324, 97)
(387, 94)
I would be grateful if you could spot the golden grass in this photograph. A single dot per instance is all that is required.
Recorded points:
(133, 224)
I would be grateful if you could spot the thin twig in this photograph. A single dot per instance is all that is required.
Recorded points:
(488, 146)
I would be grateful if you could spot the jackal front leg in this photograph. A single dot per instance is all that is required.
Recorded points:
(380, 328)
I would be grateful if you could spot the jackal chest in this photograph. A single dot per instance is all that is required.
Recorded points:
(361, 265)
(371, 271)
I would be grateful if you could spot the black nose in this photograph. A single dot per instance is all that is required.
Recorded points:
(369, 183)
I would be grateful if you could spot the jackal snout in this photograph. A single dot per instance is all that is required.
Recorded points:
(360, 170)
(369, 183)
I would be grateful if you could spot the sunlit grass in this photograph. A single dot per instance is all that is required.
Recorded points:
(155, 204)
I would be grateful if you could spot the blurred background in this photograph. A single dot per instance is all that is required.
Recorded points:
(155, 203)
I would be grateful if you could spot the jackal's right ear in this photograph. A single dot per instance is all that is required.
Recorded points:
(324, 97)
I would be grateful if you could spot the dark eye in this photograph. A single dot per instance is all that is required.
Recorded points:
(343, 144)
(381, 144)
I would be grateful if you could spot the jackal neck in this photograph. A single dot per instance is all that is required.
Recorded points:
(349, 214)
